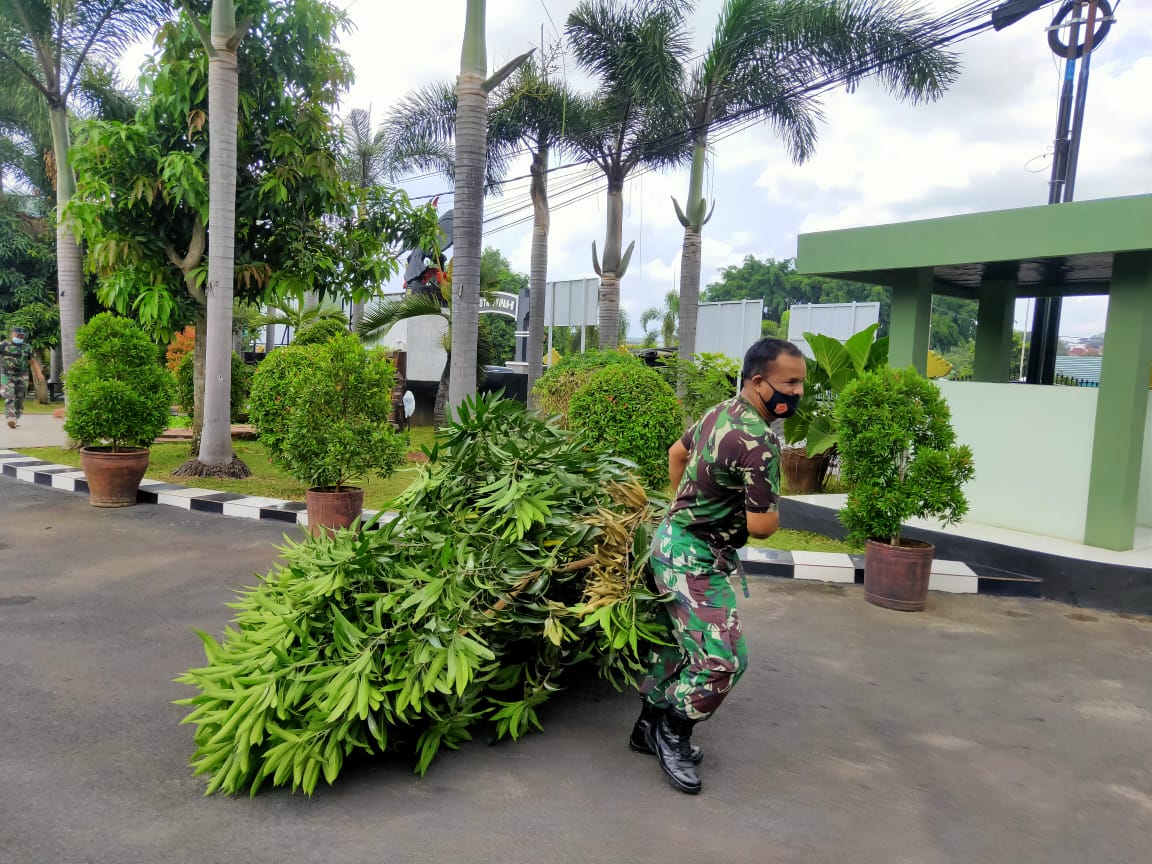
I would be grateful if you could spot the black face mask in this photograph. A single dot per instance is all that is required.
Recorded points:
(789, 401)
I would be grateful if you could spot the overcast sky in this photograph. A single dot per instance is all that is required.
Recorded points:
(983, 146)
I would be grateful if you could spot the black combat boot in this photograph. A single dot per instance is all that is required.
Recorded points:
(671, 741)
(650, 714)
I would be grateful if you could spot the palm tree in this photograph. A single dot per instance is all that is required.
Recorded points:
(667, 318)
(472, 90)
(528, 112)
(636, 51)
(765, 57)
(363, 162)
(379, 319)
(216, 457)
(298, 315)
(49, 45)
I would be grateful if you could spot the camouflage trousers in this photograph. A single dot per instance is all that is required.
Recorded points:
(709, 655)
(13, 389)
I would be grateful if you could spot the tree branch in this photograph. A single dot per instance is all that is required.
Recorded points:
(92, 37)
(50, 75)
(27, 74)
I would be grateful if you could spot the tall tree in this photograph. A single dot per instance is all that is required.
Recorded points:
(763, 60)
(472, 91)
(49, 44)
(635, 51)
(667, 319)
(142, 200)
(364, 163)
(527, 111)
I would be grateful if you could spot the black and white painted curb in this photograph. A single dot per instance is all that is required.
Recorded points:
(952, 577)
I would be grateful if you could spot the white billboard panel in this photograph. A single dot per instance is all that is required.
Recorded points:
(571, 303)
(838, 320)
(729, 327)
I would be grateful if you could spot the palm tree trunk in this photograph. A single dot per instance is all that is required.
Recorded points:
(199, 353)
(471, 146)
(440, 409)
(216, 455)
(538, 270)
(69, 256)
(690, 256)
(609, 310)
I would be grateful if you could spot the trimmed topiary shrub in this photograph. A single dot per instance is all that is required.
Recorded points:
(319, 332)
(632, 411)
(555, 388)
(186, 386)
(323, 412)
(118, 393)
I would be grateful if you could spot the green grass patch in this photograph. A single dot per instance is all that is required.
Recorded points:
(805, 541)
(266, 481)
(32, 407)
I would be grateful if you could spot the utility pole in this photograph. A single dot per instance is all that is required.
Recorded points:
(1066, 145)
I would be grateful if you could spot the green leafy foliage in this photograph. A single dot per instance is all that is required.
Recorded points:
(323, 411)
(833, 367)
(28, 276)
(632, 411)
(319, 332)
(519, 553)
(555, 388)
(706, 381)
(118, 391)
(185, 384)
(899, 452)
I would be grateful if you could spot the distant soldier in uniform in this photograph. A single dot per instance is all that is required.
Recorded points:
(726, 475)
(16, 359)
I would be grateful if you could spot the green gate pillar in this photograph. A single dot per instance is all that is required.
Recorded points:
(1122, 405)
(911, 318)
(994, 332)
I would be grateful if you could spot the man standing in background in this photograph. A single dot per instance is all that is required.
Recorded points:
(16, 360)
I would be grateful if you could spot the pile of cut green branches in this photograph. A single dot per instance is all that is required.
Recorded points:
(520, 552)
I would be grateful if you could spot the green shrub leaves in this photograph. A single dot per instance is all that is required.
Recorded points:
(520, 552)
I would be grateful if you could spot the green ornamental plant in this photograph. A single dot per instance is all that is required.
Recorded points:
(705, 381)
(323, 413)
(321, 331)
(185, 385)
(556, 387)
(899, 453)
(118, 393)
(630, 410)
(833, 366)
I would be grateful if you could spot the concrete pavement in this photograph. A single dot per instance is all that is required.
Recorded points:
(982, 730)
(34, 430)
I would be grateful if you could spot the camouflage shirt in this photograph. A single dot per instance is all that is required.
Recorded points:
(15, 359)
(733, 467)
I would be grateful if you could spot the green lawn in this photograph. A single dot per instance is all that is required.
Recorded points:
(33, 407)
(805, 541)
(266, 481)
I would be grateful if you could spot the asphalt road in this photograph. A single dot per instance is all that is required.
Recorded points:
(982, 730)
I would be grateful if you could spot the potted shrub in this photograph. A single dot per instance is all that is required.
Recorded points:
(834, 365)
(118, 401)
(899, 453)
(322, 413)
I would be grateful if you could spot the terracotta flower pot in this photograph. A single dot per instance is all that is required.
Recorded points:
(896, 577)
(329, 508)
(804, 473)
(113, 475)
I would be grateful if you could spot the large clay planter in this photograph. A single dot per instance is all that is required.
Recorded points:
(331, 509)
(113, 475)
(804, 473)
(896, 577)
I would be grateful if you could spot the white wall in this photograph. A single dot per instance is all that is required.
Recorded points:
(422, 339)
(1144, 503)
(1032, 447)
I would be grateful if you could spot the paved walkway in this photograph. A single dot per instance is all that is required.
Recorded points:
(34, 430)
(980, 731)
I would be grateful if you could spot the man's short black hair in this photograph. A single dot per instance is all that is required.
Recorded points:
(760, 357)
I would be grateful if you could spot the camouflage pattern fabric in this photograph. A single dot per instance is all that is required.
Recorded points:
(733, 467)
(709, 655)
(15, 361)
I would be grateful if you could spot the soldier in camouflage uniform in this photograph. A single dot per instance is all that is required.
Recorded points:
(16, 358)
(726, 473)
